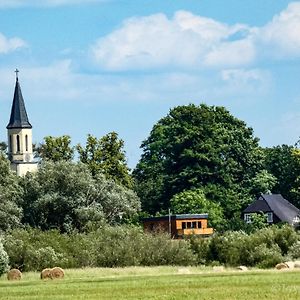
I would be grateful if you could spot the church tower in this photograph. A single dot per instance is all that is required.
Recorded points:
(19, 132)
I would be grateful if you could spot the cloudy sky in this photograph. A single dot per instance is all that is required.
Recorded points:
(95, 66)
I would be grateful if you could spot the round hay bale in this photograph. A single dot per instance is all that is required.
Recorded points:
(242, 268)
(46, 274)
(57, 272)
(281, 266)
(14, 274)
(297, 264)
(290, 264)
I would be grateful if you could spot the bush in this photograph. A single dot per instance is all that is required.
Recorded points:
(3, 260)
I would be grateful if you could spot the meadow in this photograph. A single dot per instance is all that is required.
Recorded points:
(156, 283)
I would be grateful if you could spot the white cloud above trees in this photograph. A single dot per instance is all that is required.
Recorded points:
(190, 41)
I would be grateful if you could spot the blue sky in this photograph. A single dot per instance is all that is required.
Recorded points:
(95, 66)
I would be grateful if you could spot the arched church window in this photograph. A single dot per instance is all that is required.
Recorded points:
(26, 142)
(10, 148)
(18, 143)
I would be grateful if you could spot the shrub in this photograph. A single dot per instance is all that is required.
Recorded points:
(3, 260)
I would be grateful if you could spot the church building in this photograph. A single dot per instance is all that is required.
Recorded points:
(19, 131)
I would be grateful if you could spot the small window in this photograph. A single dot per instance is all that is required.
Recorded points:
(18, 143)
(199, 224)
(183, 225)
(194, 224)
(10, 144)
(247, 218)
(26, 142)
(270, 217)
(189, 225)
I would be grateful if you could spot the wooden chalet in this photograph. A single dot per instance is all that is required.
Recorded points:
(179, 225)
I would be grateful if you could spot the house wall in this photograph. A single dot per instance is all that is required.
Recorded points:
(179, 227)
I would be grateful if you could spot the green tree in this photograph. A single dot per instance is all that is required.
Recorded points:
(263, 182)
(55, 148)
(10, 196)
(198, 147)
(283, 162)
(106, 156)
(64, 195)
(195, 202)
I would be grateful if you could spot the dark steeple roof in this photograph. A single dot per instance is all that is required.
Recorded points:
(18, 116)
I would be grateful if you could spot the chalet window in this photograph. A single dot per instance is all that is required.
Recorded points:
(194, 224)
(270, 217)
(247, 218)
(183, 225)
(199, 224)
(189, 224)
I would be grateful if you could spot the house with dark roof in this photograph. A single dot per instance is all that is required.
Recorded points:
(275, 207)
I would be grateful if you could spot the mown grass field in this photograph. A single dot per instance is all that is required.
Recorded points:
(157, 283)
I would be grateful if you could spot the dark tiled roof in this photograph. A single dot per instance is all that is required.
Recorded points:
(275, 203)
(18, 116)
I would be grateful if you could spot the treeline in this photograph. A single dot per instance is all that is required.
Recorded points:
(197, 159)
(120, 246)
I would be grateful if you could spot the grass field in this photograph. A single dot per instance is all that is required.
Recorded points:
(156, 283)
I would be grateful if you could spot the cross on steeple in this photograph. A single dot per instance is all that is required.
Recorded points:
(17, 71)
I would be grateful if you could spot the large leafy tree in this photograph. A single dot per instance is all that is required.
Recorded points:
(55, 148)
(198, 146)
(283, 162)
(106, 156)
(66, 196)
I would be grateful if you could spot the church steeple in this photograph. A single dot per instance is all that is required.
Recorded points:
(18, 116)
(19, 132)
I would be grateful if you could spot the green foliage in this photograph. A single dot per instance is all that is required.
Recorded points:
(106, 156)
(283, 162)
(56, 148)
(10, 196)
(3, 260)
(118, 246)
(193, 147)
(194, 201)
(64, 195)
(258, 221)
(263, 182)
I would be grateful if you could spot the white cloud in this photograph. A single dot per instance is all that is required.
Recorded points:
(282, 35)
(10, 44)
(44, 3)
(191, 41)
(186, 40)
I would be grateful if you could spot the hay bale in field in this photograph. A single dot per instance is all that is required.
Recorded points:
(218, 269)
(297, 264)
(57, 272)
(281, 266)
(242, 268)
(46, 274)
(290, 264)
(14, 274)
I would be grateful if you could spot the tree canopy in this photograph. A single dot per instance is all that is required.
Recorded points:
(106, 156)
(56, 148)
(197, 147)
